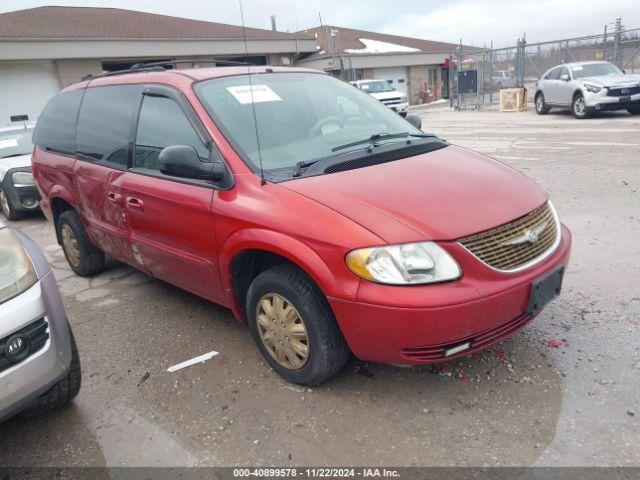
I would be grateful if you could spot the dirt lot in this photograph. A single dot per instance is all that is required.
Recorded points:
(522, 403)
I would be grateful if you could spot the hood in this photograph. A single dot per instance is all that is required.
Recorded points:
(614, 80)
(441, 195)
(387, 95)
(7, 164)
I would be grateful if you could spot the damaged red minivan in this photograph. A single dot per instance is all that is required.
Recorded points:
(324, 220)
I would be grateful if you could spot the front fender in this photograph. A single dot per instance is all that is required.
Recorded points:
(290, 248)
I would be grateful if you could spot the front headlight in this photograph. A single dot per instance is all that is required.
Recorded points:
(405, 264)
(23, 179)
(592, 87)
(16, 270)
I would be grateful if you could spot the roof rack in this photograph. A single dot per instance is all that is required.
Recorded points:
(160, 66)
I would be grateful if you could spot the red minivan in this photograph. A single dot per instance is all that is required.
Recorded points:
(328, 223)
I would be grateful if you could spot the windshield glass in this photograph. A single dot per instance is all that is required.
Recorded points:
(376, 87)
(15, 142)
(299, 116)
(595, 70)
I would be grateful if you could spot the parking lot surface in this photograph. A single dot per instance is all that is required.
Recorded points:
(563, 392)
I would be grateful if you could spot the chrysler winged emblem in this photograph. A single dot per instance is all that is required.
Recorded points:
(532, 235)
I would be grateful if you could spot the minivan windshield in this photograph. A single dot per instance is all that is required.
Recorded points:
(15, 142)
(595, 70)
(300, 116)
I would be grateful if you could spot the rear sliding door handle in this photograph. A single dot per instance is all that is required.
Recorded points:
(133, 202)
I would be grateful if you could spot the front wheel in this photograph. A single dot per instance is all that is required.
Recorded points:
(8, 209)
(292, 324)
(541, 107)
(84, 258)
(579, 107)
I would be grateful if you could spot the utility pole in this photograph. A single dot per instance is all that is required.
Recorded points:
(604, 44)
(617, 47)
(273, 22)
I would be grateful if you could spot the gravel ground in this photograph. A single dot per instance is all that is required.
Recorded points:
(563, 392)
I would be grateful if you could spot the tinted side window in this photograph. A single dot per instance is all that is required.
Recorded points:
(56, 127)
(162, 123)
(105, 122)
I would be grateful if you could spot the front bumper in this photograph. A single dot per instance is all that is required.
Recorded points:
(417, 324)
(602, 102)
(23, 382)
(22, 198)
(399, 107)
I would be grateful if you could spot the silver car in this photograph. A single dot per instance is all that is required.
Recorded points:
(39, 363)
(586, 88)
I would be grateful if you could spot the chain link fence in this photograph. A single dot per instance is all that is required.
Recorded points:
(477, 75)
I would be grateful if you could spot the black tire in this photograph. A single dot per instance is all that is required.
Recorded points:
(91, 259)
(63, 392)
(578, 108)
(8, 209)
(403, 114)
(634, 110)
(327, 351)
(541, 106)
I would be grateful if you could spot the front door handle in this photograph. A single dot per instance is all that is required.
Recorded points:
(115, 198)
(136, 203)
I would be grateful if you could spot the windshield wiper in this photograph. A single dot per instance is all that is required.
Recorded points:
(379, 136)
(297, 168)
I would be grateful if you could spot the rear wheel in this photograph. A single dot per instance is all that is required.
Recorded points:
(579, 107)
(292, 324)
(634, 110)
(62, 392)
(8, 209)
(541, 107)
(84, 257)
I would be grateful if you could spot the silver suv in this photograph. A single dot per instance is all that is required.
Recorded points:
(586, 88)
(39, 364)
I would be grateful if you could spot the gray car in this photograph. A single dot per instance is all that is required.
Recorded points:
(39, 363)
(586, 88)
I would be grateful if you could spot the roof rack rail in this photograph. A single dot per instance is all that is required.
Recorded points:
(159, 66)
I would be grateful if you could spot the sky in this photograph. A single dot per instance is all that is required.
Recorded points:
(476, 22)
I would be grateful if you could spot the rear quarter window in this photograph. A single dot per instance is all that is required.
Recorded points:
(105, 122)
(56, 126)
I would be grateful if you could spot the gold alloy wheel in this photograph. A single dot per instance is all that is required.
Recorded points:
(70, 245)
(282, 331)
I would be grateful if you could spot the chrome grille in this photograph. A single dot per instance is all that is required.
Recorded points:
(511, 246)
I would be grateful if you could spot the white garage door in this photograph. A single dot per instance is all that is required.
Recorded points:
(397, 76)
(25, 88)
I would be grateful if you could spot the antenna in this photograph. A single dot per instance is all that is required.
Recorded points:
(253, 104)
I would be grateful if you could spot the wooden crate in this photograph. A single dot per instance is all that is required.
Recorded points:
(513, 99)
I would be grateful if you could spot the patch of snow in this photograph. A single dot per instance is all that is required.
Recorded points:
(376, 46)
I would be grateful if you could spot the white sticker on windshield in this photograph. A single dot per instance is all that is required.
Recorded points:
(261, 93)
(577, 69)
(8, 143)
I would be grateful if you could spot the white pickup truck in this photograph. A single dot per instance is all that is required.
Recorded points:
(381, 90)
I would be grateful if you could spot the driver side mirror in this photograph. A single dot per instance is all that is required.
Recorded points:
(564, 77)
(183, 161)
(414, 120)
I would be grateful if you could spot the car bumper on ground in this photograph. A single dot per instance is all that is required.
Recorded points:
(38, 315)
(457, 313)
